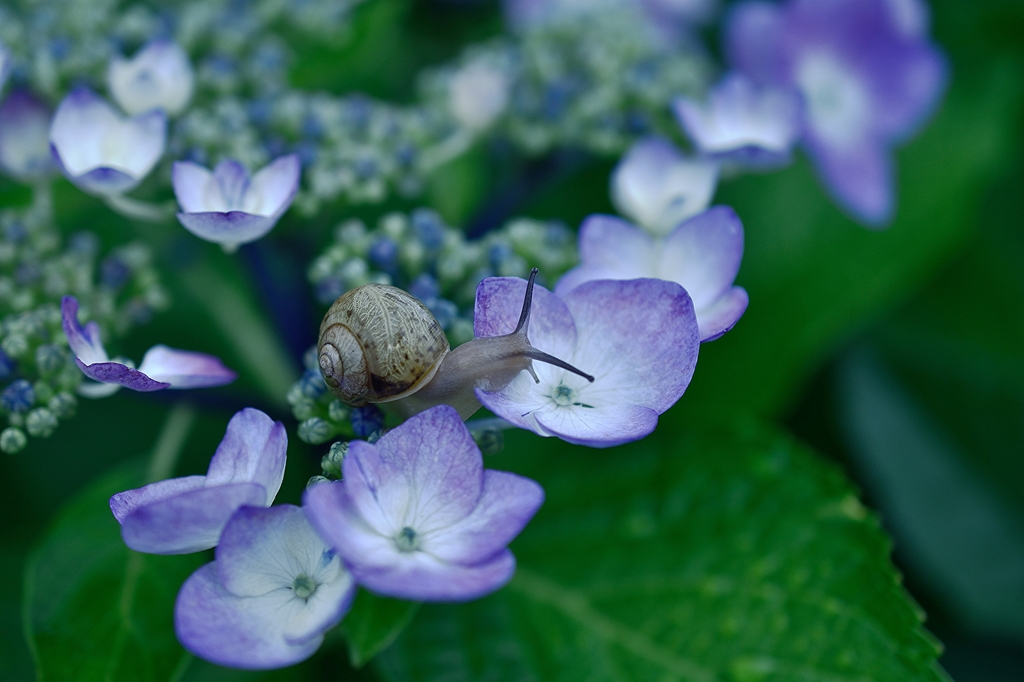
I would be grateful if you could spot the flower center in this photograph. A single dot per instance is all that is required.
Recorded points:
(407, 540)
(303, 586)
(565, 396)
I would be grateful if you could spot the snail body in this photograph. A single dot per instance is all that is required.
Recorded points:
(379, 344)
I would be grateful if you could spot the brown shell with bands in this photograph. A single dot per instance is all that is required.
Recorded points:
(379, 343)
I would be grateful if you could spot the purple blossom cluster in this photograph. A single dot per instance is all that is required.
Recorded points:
(416, 516)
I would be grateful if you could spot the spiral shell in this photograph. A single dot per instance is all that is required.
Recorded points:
(377, 344)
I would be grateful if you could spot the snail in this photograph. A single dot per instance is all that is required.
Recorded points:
(379, 344)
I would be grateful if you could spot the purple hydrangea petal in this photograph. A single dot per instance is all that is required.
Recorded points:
(753, 30)
(704, 254)
(191, 182)
(25, 136)
(231, 228)
(611, 316)
(429, 471)
(188, 521)
(184, 369)
(519, 402)
(499, 302)
(236, 632)
(123, 504)
(656, 186)
(723, 314)
(254, 449)
(611, 248)
(84, 342)
(861, 179)
(600, 427)
(232, 181)
(262, 550)
(274, 187)
(159, 76)
(118, 373)
(506, 505)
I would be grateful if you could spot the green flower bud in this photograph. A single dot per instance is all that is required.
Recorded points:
(40, 423)
(337, 411)
(315, 431)
(63, 405)
(12, 440)
(316, 480)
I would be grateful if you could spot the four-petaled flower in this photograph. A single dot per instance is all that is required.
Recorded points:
(100, 151)
(183, 515)
(639, 339)
(417, 516)
(867, 76)
(230, 208)
(266, 601)
(159, 76)
(702, 254)
(161, 367)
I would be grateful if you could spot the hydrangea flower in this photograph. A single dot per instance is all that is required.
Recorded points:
(98, 150)
(702, 254)
(867, 76)
(639, 339)
(416, 515)
(230, 208)
(183, 515)
(658, 187)
(478, 94)
(161, 367)
(741, 123)
(159, 76)
(25, 137)
(266, 601)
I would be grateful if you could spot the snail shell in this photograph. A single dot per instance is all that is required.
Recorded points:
(378, 344)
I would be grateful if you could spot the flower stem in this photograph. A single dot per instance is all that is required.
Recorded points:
(141, 210)
(171, 441)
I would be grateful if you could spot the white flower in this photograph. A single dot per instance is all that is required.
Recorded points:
(158, 77)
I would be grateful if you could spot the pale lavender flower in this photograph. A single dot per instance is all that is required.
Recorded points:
(639, 338)
(101, 152)
(230, 208)
(657, 187)
(702, 254)
(183, 515)
(266, 601)
(161, 367)
(159, 76)
(25, 137)
(478, 94)
(742, 123)
(868, 78)
(416, 515)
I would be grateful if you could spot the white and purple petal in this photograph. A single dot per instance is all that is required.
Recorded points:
(499, 303)
(272, 592)
(85, 342)
(704, 255)
(25, 136)
(753, 127)
(98, 150)
(611, 248)
(184, 369)
(159, 76)
(253, 450)
(656, 186)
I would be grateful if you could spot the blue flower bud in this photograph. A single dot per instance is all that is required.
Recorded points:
(445, 311)
(6, 365)
(312, 384)
(18, 397)
(366, 420)
(114, 272)
(425, 287)
(383, 253)
(428, 227)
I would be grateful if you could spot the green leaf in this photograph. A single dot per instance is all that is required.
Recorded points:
(95, 610)
(728, 553)
(373, 623)
(956, 535)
